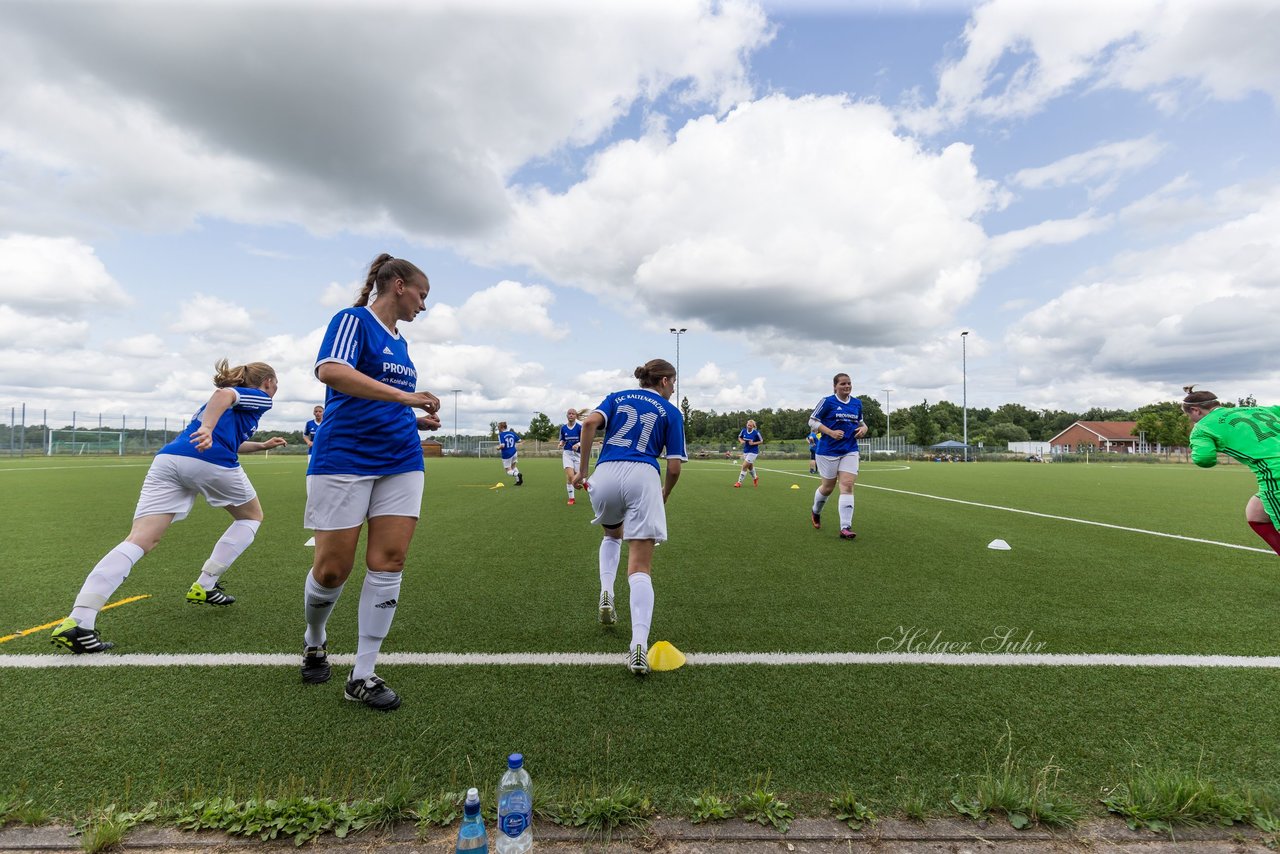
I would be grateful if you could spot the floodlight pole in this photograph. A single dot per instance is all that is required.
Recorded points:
(678, 332)
(455, 417)
(964, 392)
(886, 412)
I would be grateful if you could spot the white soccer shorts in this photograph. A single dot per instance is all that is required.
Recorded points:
(508, 463)
(172, 484)
(336, 502)
(749, 458)
(570, 460)
(828, 467)
(630, 494)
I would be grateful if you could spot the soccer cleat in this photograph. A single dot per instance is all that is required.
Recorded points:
(315, 664)
(817, 521)
(608, 616)
(738, 485)
(197, 595)
(69, 635)
(570, 502)
(755, 481)
(847, 534)
(519, 479)
(374, 693)
(638, 661)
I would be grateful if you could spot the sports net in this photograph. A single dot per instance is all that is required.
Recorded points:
(82, 442)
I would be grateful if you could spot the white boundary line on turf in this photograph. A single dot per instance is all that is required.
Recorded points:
(1048, 516)
(696, 659)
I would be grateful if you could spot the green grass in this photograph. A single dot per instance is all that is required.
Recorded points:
(514, 570)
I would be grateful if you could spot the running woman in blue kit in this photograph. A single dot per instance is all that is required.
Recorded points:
(570, 439)
(837, 420)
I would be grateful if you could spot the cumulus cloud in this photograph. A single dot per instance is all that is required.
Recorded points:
(511, 307)
(1204, 307)
(809, 216)
(337, 295)
(112, 114)
(146, 346)
(1018, 56)
(214, 320)
(19, 330)
(55, 275)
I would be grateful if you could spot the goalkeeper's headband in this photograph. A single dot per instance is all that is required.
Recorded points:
(1203, 404)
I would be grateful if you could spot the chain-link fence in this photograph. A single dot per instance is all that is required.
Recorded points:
(38, 432)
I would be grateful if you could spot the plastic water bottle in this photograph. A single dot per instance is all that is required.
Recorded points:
(515, 809)
(471, 837)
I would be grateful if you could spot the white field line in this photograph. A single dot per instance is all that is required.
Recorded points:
(696, 659)
(1048, 516)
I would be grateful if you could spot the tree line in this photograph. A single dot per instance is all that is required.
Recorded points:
(925, 423)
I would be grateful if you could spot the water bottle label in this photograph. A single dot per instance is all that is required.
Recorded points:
(513, 824)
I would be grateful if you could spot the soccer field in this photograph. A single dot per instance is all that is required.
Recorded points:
(1150, 561)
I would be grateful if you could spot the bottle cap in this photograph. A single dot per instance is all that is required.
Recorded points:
(515, 760)
(473, 796)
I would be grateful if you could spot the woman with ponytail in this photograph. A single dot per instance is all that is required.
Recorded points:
(626, 494)
(366, 467)
(201, 460)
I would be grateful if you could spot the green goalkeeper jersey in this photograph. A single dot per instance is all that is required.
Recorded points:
(1250, 434)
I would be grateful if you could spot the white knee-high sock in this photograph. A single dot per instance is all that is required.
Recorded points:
(742, 473)
(610, 554)
(317, 605)
(378, 600)
(846, 510)
(568, 487)
(238, 537)
(641, 607)
(819, 501)
(103, 580)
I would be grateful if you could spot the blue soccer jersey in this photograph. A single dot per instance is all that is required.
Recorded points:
(507, 443)
(571, 436)
(747, 436)
(638, 426)
(361, 436)
(837, 415)
(237, 425)
(309, 430)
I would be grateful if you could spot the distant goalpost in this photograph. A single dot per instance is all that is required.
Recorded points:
(486, 448)
(82, 442)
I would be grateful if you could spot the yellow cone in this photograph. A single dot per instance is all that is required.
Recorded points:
(795, 486)
(664, 656)
(498, 485)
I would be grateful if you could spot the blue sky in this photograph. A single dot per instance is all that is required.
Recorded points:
(1091, 189)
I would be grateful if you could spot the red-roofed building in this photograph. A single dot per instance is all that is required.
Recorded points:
(1108, 437)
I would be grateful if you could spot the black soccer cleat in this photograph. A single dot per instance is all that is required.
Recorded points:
(847, 534)
(197, 595)
(315, 664)
(69, 635)
(374, 693)
(519, 479)
(638, 661)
